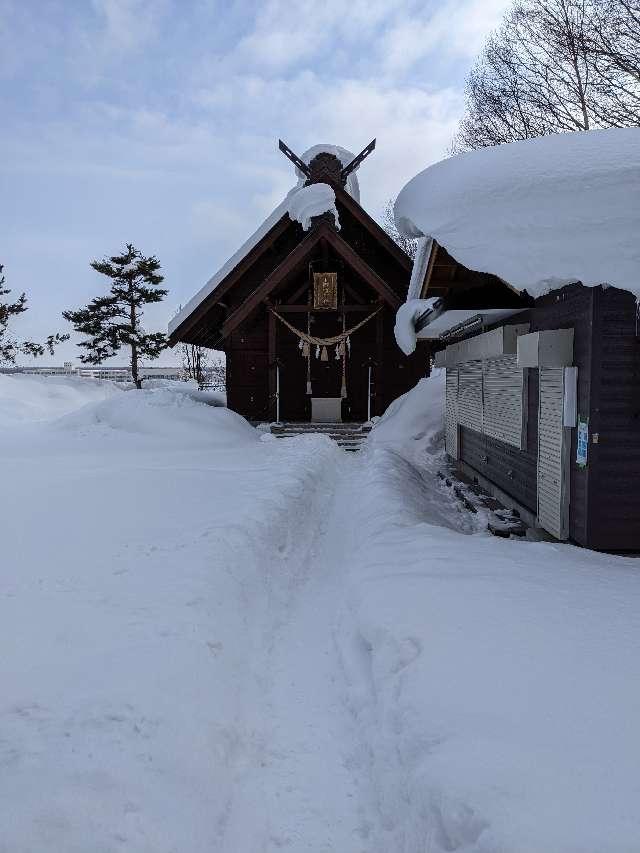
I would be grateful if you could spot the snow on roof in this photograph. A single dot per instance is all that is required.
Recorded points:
(285, 206)
(406, 316)
(539, 213)
(311, 201)
(345, 157)
(420, 264)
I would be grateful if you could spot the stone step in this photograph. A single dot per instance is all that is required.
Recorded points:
(319, 427)
(348, 436)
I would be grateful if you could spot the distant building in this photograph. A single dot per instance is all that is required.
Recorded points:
(112, 373)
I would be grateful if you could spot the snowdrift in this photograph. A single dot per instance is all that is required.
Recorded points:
(495, 683)
(26, 399)
(179, 416)
(413, 424)
(538, 213)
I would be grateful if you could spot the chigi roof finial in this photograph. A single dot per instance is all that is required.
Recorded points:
(344, 172)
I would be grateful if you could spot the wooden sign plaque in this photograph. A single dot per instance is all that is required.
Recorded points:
(325, 291)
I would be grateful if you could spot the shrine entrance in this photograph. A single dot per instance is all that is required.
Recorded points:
(305, 310)
(323, 361)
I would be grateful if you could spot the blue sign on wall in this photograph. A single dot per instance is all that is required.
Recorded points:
(583, 441)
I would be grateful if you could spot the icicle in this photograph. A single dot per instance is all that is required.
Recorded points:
(317, 351)
(309, 391)
(324, 355)
(337, 355)
(349, 345)
(306, 352)
(300, 344)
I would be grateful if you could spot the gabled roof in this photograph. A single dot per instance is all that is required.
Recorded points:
(275, 224)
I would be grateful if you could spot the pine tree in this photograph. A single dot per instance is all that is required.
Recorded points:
(10, 348)
(114, 320)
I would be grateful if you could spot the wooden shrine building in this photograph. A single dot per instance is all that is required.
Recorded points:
(305, 310)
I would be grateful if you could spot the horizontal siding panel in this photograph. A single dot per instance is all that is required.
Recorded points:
(470, 395)
(552, 488)
(451, 413)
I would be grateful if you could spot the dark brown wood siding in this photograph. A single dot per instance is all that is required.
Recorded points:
(250, 379)
(614, 462)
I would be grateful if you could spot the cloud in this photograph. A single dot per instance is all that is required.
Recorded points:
(456, 28)
(158, 123)
(284, 34)
(128, 24)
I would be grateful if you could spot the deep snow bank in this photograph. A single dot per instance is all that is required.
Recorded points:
(26, 398)
(179, 416)
(537, 213)
(494, 684)
(413, 423)
(151, 548)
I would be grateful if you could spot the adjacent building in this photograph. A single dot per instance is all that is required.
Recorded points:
(538, 328)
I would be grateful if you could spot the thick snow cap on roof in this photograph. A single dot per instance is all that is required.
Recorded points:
(317, 202)
(345, 157)
(314, 200)
(539, 213)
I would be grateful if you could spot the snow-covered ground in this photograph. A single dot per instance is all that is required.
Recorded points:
(213, 641)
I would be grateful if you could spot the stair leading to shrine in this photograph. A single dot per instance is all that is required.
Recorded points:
(349, 436)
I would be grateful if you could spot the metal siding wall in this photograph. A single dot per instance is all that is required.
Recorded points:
(552, 454)
(572, 308)
(470, 395)
(451, 413)
(502, 390)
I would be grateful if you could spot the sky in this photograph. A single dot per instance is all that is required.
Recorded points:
(156, 122)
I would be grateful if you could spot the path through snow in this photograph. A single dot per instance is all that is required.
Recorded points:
(308, 791)
(216, 644)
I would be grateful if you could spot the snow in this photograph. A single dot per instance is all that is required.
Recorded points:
(419, 270)
(215, 643)
(274, 217)
(413, 423)
(439, 321)
(345, 157)
(291, 201)
(314, 200)
(538, 213)
(406, 315)
(27, 398)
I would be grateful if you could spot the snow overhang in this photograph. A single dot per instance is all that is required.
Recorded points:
(539, 213)
(461, 322)
(428, 319)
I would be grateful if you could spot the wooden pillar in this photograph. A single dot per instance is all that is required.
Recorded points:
(379, 406)
(271, 361)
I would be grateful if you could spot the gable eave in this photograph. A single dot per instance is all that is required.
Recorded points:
(295, 260)
(229, 274)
